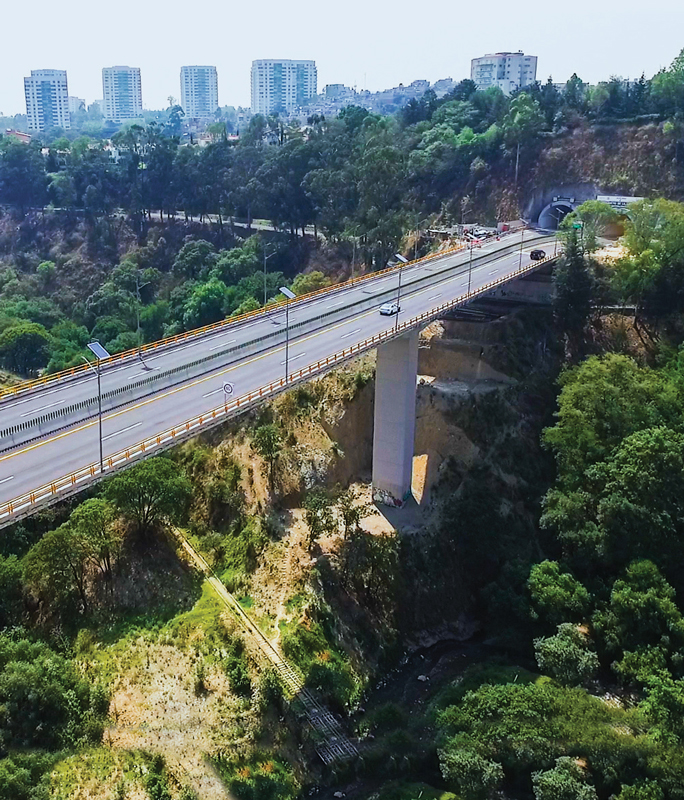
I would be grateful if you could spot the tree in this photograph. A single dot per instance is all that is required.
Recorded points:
(566, 656)
(566, 781)
(95, 522)
(22, 174)
(206, 304)
(151, 494)
(522, 125)
(556, 595)
(319, 515)
(573, 293)
(56, 566)
(595, 218)
(308, 282)
(474, 777)
(643, 618)
(10, 590)
(25, 347)
(267, 443)
(601, 402)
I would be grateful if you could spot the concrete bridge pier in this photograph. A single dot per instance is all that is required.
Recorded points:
(395, 419)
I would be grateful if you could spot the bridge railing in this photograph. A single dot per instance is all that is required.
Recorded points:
(224, 323)
(73, 482)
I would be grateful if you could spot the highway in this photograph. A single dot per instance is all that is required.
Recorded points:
(179, 381)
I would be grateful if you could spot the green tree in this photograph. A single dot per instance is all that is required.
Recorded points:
(206, 304)
(574, 286)
(25, 347)
(151, 494)
(56, 566)
(603, 401)
(10, 590)
(319, 515)
(95, 522)
(522, 125)
(566, 781)
(308, 282)
(267, 443)
(566, 656)
(595, 217)
(472, 775)
(556, 595)
(642, 618)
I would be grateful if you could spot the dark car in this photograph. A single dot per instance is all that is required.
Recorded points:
(537, 255)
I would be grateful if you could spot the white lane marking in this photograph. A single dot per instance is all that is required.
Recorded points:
(435, 297)
(216, 391)
(43, 408)
(123, 430)
(140, 374)
(334, 305)
(223, 344)
(294, 358)
(4, 480)
(351, 333)
(493, 272)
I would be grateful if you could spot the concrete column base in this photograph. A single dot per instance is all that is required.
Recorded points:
(395, 419)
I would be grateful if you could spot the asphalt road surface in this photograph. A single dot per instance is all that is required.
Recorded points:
(351, 316)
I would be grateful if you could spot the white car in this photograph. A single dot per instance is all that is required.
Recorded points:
(388, 309)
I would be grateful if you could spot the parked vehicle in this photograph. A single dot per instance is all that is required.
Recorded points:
(389, 309)
(537, 255)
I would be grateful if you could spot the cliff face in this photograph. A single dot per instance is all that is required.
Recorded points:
(639, 160)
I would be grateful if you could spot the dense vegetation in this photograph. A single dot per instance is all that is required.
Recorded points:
(575, 568)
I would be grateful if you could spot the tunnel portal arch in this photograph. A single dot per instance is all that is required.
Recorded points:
(554, 213)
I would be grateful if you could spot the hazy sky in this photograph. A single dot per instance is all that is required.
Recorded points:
(362, 43)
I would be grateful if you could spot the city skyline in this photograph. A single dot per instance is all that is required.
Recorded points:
(350, 51)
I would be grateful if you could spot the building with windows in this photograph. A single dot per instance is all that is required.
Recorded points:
(282, 86)
(199, 92)
(47, 99)
(76, 105)
(508, 71)
(122, 93)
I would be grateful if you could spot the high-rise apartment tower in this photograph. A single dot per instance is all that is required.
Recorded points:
(47, 99)
(122, 93)
(281, 86)
(199, 92)
(508, 71)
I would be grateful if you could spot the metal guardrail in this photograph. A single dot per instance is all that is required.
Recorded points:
(124, 395)
(73, 482)
(11, 391)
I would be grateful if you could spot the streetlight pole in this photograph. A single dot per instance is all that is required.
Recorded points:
(99, 405)
(522, 237)
(289, 295)
(138, 287)
(402, 261)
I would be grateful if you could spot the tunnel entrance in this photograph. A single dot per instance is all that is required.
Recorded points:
(551, 216)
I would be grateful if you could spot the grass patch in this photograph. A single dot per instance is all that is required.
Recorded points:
(259, 777)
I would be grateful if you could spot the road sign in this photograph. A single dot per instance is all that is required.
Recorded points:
(228, 388)
(289, 294)
(98, 350)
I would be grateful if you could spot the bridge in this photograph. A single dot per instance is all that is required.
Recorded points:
(54, 441)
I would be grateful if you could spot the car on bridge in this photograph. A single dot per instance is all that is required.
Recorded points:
(537, 255)
(389, 309)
